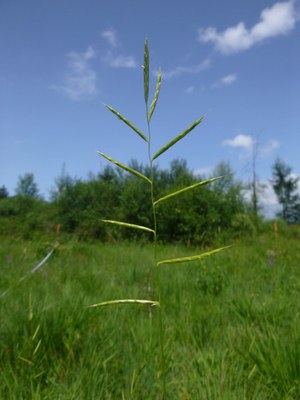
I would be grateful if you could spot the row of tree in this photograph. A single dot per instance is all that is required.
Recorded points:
(201, 216)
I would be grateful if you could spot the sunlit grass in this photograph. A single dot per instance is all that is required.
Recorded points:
(231, 323)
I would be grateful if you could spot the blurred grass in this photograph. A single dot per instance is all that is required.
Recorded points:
(231, 322)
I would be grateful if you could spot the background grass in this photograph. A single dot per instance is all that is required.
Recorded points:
(231, 322)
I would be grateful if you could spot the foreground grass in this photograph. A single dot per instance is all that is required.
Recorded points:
(232, 323)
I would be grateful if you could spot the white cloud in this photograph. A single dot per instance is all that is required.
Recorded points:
(250, 147)
(190, 89)
(116, 61)
(274, 21)
(266, 150)
(243, 141)
(225, 81)
(268, 200)
(120, 61)
(228, 79)
(267, 196)
(80, 81)
(111, 37)
(194, 69)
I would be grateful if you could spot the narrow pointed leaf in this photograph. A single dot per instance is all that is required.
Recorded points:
(146, 71)
(124, 301)
(127, 225)
(177, 138)
(125, 167)
(156, 94)
(168, 196)
(125, 120)
(26, 360)
(191, 258)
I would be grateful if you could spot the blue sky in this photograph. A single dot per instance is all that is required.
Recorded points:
(235, 62)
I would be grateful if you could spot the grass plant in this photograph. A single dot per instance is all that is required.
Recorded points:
(155, 202)
(239, 341)
(218, 328)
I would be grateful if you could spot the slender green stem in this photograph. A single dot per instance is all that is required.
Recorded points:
(157, 270)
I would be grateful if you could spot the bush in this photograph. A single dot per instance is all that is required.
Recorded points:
(242, 225)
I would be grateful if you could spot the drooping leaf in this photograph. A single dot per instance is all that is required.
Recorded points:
(177, 138)
(125, 167)
(169, 196)
(127, 225)
(191, 258)
(146, 71)
(125, 120)
(124, 301)
(156, 94)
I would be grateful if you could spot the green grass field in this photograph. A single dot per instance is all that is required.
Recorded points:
(231, 322)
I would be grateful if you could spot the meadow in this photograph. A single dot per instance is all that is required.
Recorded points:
(231, 321)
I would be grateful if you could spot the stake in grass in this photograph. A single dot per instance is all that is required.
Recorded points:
(154, 203)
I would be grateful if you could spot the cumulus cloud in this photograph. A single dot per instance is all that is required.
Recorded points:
(267, 198)
(111, 37)
(277, 20)
(120, 61)
(248, 144)
(267, 149)
(267, 194)
(194, 69)
(80, 80)
(242, 141)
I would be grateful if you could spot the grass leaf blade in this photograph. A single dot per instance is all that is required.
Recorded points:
(156, 94)
(124, 301)
(146, 71)
(125, 167)
(169, 196)
(177, 138)
(191, 258)
(125, 120)
(127, 225)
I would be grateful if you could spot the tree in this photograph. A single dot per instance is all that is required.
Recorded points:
(3, 192)
(80, 204)
(228, 197)
(26, 186)
(227, 182)
(285, 187)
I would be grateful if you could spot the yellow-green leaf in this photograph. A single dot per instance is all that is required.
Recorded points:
(168, 196)
(124, 301)
(26, 360)
(125, 167)
(191, 258)
(156, 94)
(146, 71)
(127, 225)
(177, 138)
(37, 347)
(125, 120)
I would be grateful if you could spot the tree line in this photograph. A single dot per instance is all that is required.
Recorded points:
(212, 212)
